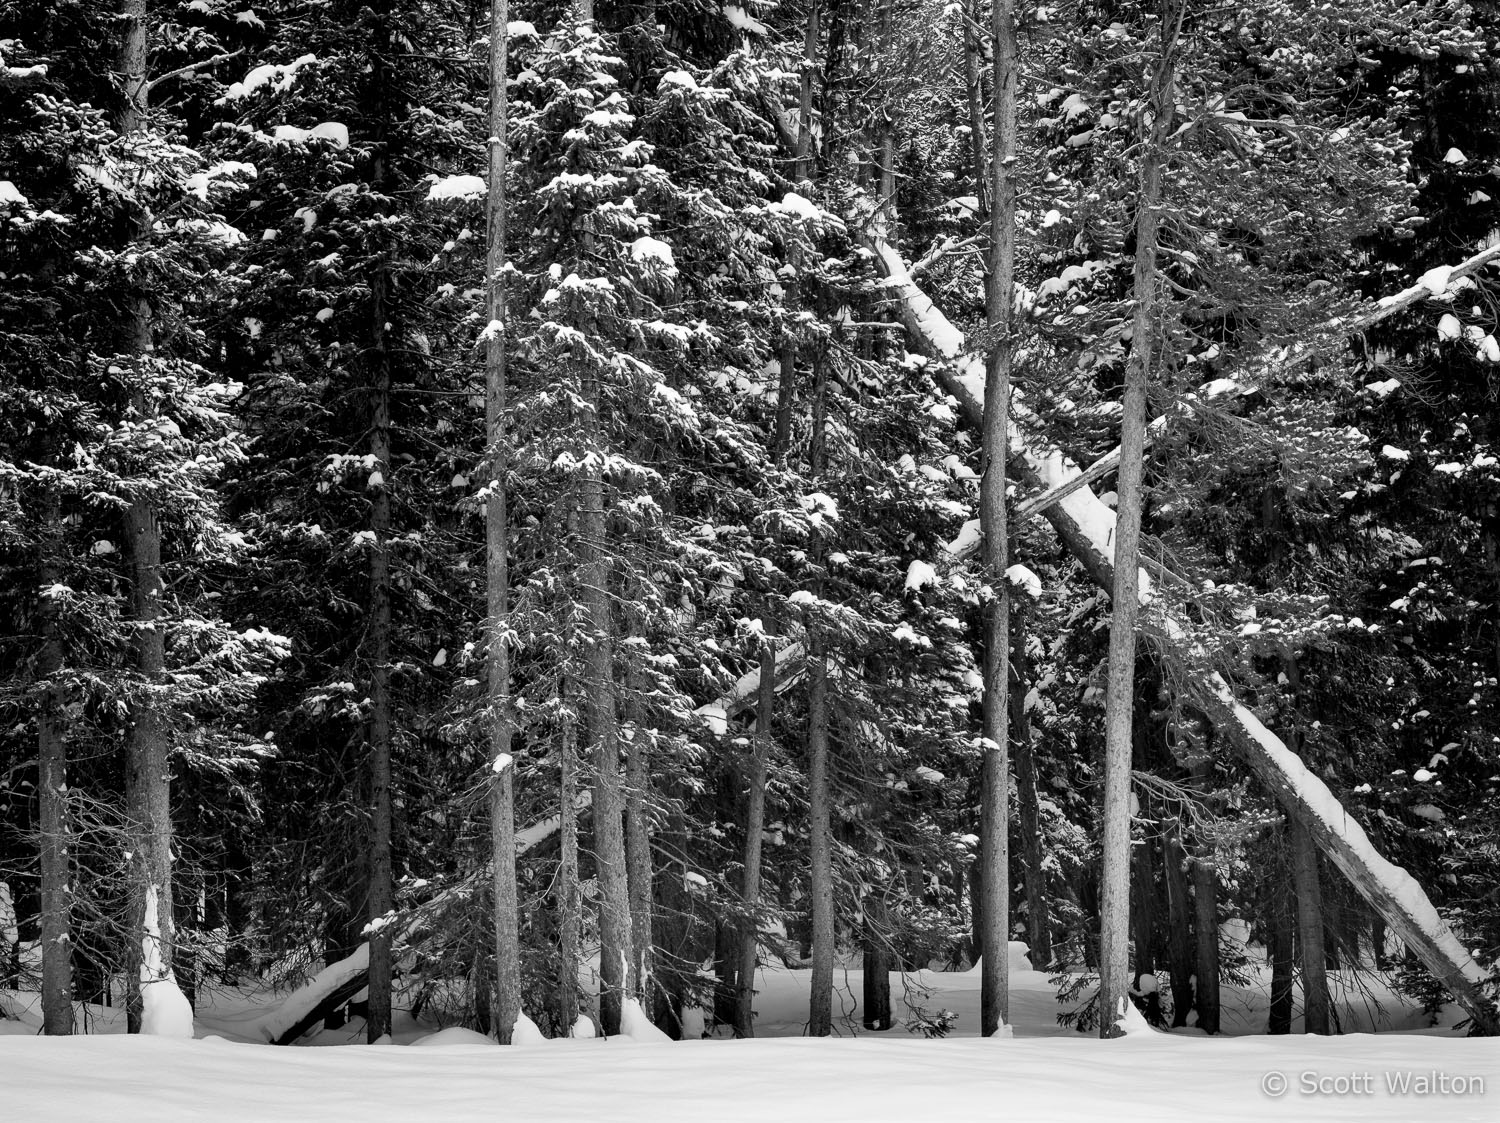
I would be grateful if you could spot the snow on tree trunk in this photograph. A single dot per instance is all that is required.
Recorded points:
(1086, 526)
(165, 1010)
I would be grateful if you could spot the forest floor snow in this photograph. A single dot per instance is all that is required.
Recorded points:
(1044, 1072)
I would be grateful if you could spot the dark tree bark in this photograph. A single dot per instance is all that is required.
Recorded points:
(638, 840)
(994, 833)
(1143, 926)
(1038, 914)
(52, 783)
(1310, 943)
(1180, 921)
(148, 780)
(569, 896)
(1280, 949)
(819, 784)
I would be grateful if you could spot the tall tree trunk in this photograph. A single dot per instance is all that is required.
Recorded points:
(1310, 943)
(1280, 950)
(755, 831)
(805, 102)
(52, 786)
(569, 896)
(1180, 921)
(1115, 875)
(603, 727)
(1143, 926)
(820, 830)
(994, 855)
(1028, 800)
(638, 838)
(1205, 921)
(820, 843)
(148, 771)
(382, 897)
(974, 87)
(507, 924)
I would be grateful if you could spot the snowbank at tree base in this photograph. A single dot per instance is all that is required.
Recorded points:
(1044, 1072)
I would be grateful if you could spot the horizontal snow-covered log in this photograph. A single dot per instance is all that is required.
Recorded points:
(1086, 526)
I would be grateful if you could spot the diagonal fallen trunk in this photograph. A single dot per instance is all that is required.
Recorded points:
(1086, 526)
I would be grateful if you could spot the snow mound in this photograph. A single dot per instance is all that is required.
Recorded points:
(584, 1028)
(694, 1023)
(635, 1025)
(919, 573)
(453, 1035)
(526, 1032)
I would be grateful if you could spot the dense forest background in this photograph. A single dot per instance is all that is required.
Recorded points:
(261, 709)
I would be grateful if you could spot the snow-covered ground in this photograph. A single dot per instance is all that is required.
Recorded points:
(1043, 1072)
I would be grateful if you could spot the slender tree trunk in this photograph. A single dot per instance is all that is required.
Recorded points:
(507, 923)
(805, 104)
(1205, 920)
(638, 840)
(569, 896)
(994, 858)
(148, 772)
(755, 831)
(599, 692)
(1310, 930)
(1180, 919)
(382, 900)
(820, 831)
(820, 1012)
(974, 87)
(875, 1007)
(1115, 876)
(52, 784)
(1038, 915)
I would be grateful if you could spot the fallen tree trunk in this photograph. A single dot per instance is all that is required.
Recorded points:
(1086, 526)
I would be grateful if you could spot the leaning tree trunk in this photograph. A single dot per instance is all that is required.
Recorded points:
(148, 796)
(507, 922)
(1114, 892)
(52, 786)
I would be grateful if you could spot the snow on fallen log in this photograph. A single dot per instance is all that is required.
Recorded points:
(310, 1003)
(790, 661)
(1086, 526)
(337, 983)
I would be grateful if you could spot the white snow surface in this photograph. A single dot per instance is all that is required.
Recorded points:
(1043, 1072)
